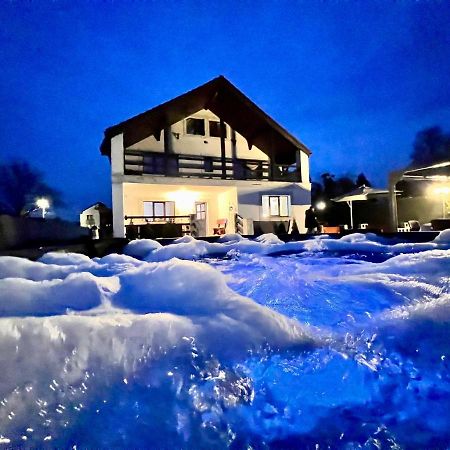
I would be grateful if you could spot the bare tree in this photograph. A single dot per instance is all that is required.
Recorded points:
(21, 185)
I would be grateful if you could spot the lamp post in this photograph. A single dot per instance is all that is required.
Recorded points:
(43, 204)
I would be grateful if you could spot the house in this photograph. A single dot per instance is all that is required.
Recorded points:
(209, 161)
(98, 215)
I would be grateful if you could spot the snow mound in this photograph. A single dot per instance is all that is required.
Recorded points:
(269, 239)
(77, 292)
(443, 237)
(14, 267)
(140, 248)
(230, 237)
(65, 259)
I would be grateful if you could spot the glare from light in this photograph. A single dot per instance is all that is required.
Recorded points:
(42, 203)
(184, 199)
(321, 206)
(438, 190)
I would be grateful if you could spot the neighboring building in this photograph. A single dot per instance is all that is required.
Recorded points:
(98, 215)
(424, 196)
(208, 159)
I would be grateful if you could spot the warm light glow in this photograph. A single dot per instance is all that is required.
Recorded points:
(183, 197)
(42, 203)
(321, 206)
(442, 189)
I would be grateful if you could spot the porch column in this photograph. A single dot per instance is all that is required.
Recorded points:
(168, 151)
(222, 149)
(117, 178)
(394, 178)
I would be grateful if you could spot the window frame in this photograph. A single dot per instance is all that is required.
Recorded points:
(193, 134)
(278, 200)
(159, 218)
(218, 123)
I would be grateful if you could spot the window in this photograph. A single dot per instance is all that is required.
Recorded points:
(195, 126)
(200, 211)
(276, 205)
(214, 129)
(159, 211)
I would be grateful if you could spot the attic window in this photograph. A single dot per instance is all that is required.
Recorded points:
(195, 126)
(214, 129)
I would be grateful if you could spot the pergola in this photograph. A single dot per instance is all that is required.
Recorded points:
(439, 173)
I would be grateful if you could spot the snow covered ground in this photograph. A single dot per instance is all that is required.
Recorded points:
(237, 343)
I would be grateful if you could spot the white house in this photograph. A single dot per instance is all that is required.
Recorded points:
(206, 162)
(98, 215)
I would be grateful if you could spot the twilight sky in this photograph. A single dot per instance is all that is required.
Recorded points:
(353, 80)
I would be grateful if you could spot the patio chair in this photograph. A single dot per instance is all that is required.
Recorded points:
(221, 227)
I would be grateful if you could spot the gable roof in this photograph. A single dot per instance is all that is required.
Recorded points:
(227, 102)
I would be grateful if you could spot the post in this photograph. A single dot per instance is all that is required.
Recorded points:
(394, 178)
(168, 151)
(117, 176)
(234, 153)
(222, 149)
(350, 204)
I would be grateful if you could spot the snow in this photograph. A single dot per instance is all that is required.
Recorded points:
(189, 248)
(160, 346)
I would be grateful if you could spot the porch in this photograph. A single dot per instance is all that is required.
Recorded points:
(153, 210)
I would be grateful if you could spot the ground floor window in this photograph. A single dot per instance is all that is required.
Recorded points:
(276, 205)
(159, 211)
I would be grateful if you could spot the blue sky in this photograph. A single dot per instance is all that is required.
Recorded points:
(354, 80)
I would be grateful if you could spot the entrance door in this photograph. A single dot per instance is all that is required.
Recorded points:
(201, 217)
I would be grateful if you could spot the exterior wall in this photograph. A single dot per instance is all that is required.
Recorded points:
(250, 200)
(200, 145)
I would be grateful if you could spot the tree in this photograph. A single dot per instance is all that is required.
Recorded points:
(362, 181)
(431, 145)
(21, 185)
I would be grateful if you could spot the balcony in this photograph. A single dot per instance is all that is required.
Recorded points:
(191, 166)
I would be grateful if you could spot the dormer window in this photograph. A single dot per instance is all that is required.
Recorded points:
(195, 126)
(214, 129)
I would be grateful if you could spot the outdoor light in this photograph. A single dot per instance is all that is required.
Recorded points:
(321, 206)
(442, 191)
(43, 204)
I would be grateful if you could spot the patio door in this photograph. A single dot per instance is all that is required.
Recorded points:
(201, 218)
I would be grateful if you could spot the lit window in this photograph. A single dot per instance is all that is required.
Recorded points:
(159, 211)
(214, 129)
(276, 205)
(195, 126)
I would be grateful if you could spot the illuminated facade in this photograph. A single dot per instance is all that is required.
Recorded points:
(208, 159)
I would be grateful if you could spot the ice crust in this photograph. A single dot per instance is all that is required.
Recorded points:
(151, 348)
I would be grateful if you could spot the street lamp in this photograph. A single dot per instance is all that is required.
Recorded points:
(320, 206)
(43, 204)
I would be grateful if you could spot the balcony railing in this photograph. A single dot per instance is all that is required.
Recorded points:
(191, 166)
